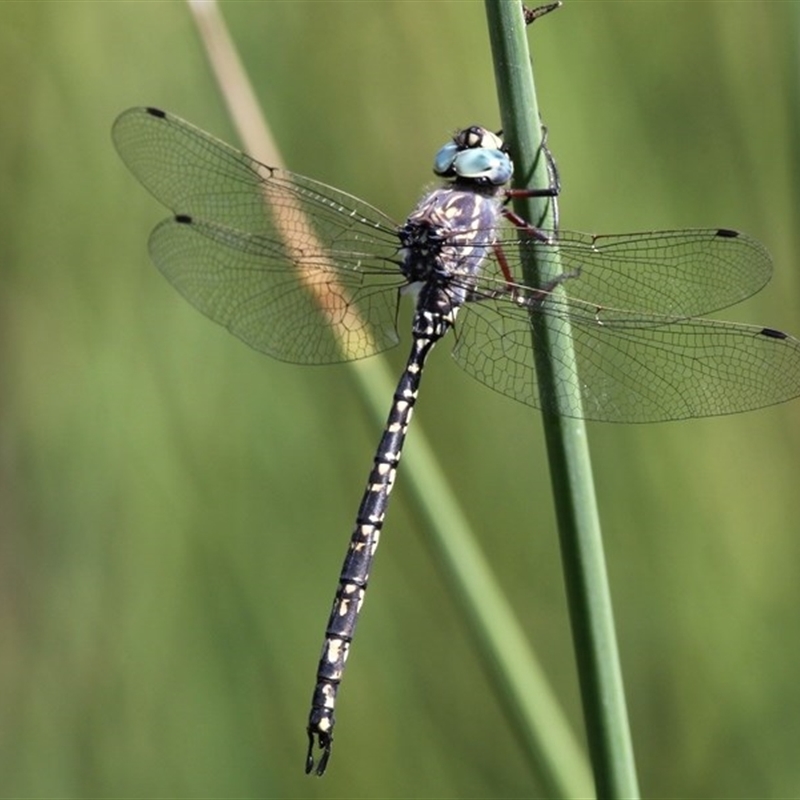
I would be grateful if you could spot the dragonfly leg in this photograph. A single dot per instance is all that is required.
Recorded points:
(552, 190)
(539, 293)
(500, 255)
(553, 178)
(519, 222)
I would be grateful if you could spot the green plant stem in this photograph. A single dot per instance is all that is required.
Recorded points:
(585, 575)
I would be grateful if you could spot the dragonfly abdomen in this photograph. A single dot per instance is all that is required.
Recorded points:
(354, 576)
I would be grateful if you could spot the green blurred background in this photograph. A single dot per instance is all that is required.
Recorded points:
(174, 507)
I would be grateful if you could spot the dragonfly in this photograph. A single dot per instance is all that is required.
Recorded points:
(312, 275)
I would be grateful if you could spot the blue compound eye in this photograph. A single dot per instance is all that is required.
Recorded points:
(475, 154)
(491, 166)
(445, 158)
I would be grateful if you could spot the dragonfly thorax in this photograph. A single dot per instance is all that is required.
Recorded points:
(448, 235)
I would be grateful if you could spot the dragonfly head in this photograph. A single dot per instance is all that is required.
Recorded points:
(475, 155)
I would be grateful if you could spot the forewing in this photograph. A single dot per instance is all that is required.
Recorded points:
(672, 273)
(296, 258)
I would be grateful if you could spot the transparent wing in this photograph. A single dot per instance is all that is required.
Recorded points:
(631, 367)
(319, 314)
(675, 273)
(295, 268)
(309, 274)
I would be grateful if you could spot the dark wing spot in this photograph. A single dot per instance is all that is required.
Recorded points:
(773, 334)
(156, 112)
(183, 219)
(726, 233)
